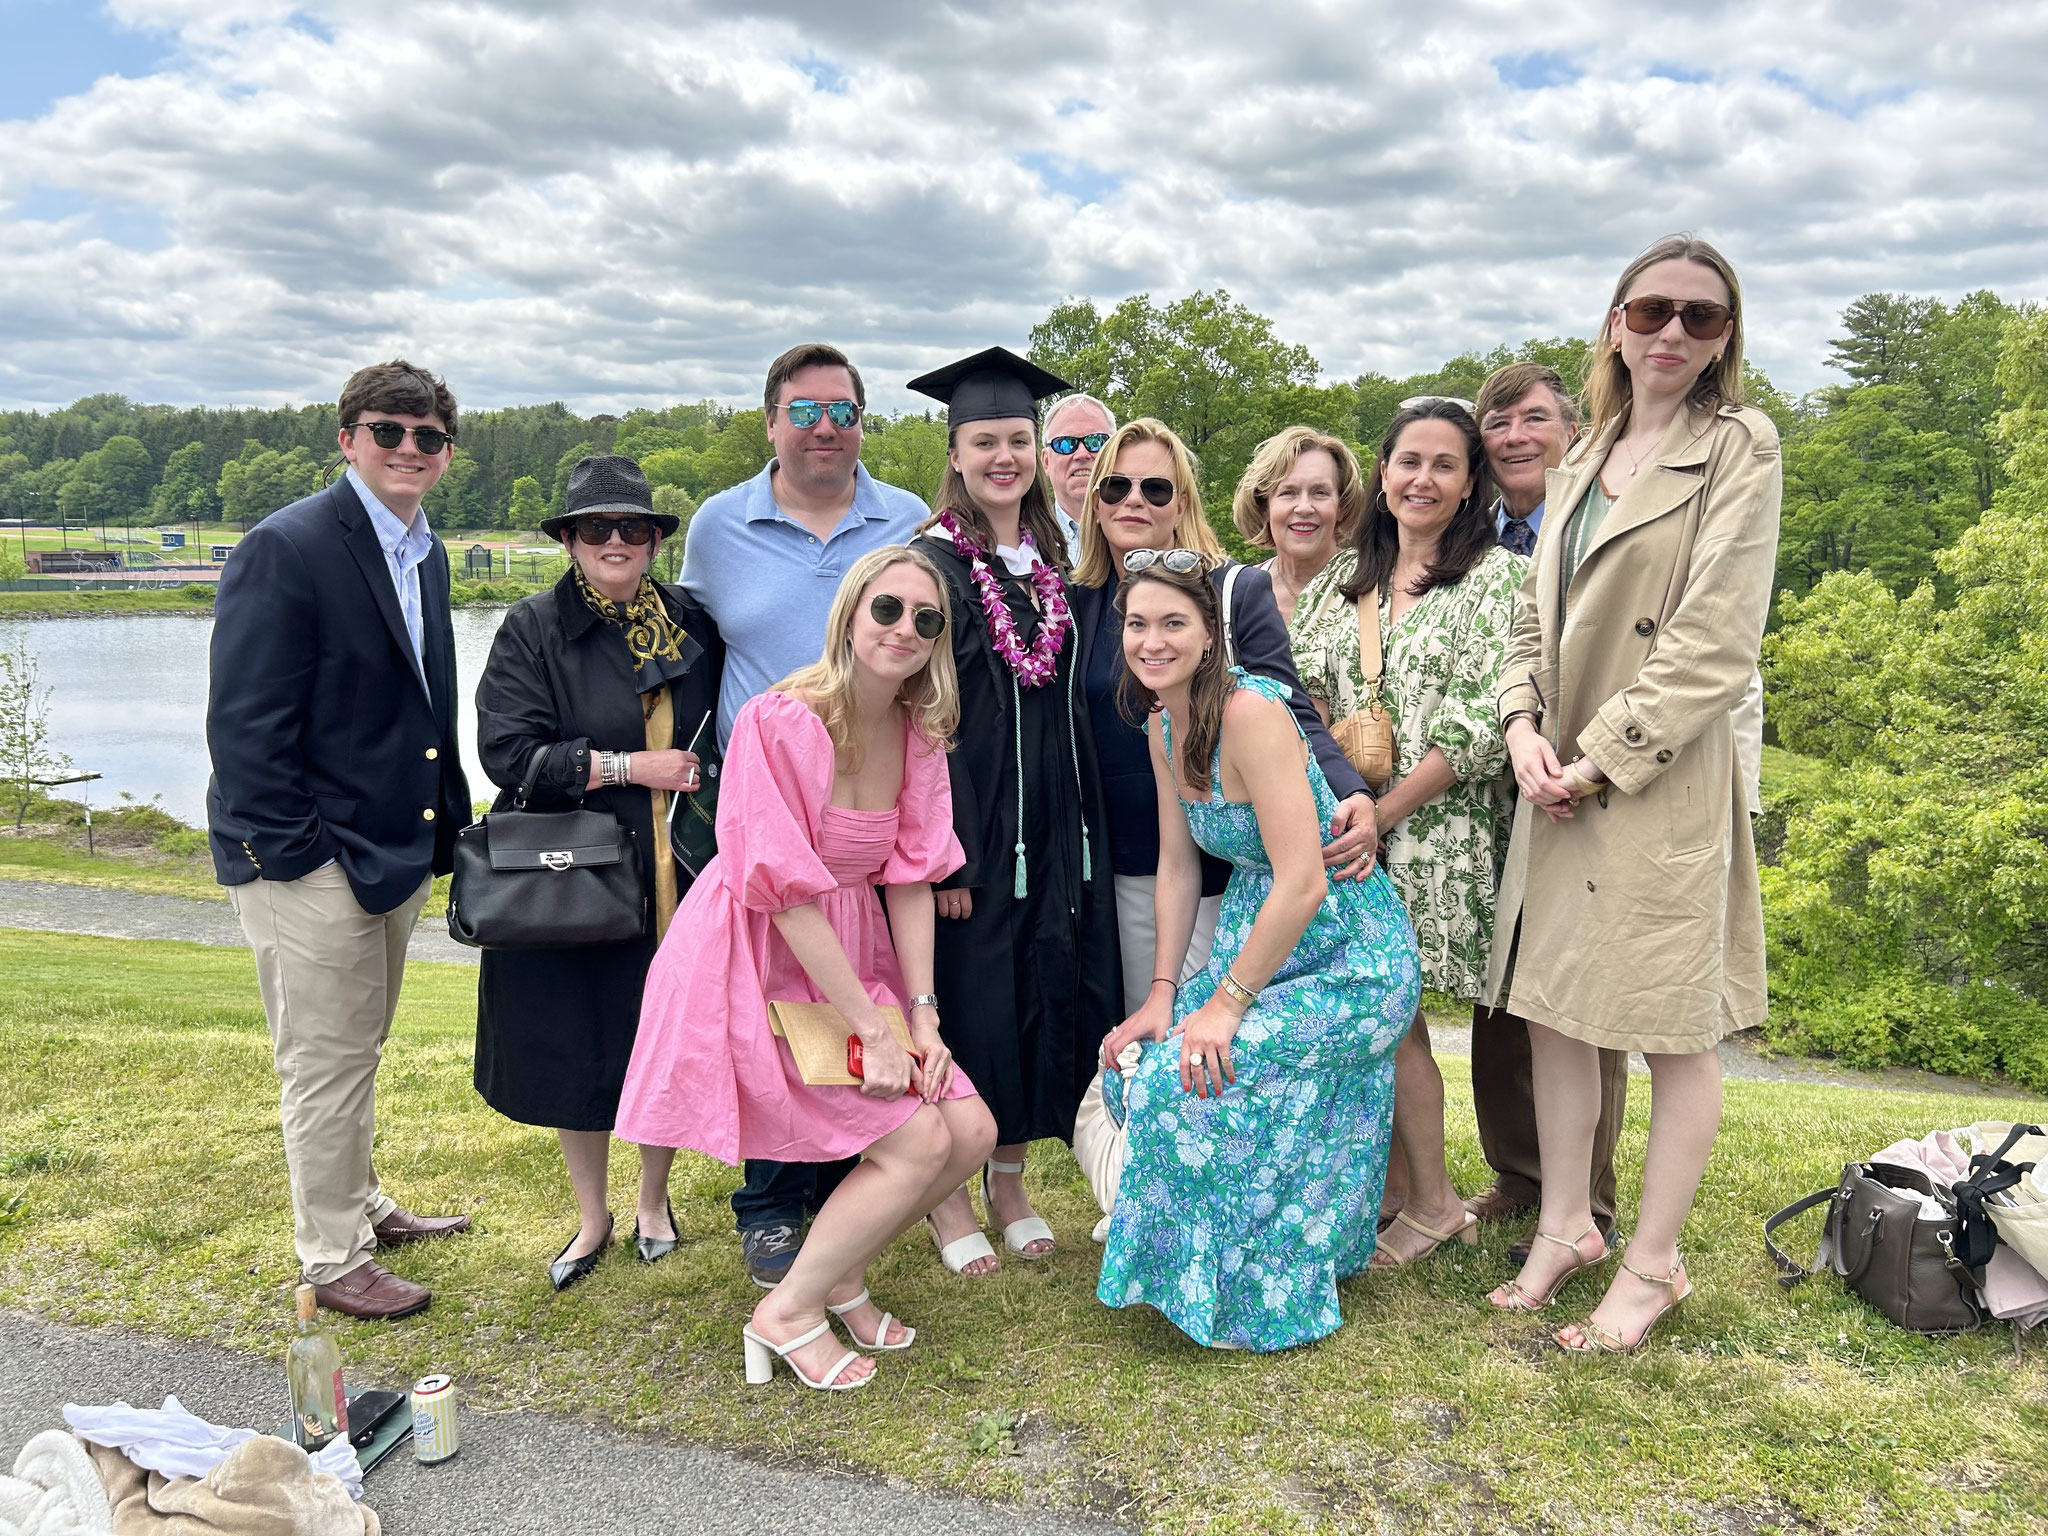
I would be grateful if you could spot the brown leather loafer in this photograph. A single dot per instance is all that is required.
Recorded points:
(401, 1226)
(1495, 1204)
(372, 1291)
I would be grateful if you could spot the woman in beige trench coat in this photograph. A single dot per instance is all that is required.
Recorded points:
(1629, 913)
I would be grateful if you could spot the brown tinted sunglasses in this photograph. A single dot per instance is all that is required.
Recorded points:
(1703, 321)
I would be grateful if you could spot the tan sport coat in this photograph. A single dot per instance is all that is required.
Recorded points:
(1640, 921)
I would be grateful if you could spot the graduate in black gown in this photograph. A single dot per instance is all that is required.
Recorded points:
(1026, 964)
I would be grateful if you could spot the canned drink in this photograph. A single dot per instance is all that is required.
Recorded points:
(434, 1435)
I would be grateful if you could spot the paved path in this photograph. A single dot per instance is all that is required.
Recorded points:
(132, 915)
(518, 1474)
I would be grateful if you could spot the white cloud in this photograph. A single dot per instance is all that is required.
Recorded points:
(621, 204)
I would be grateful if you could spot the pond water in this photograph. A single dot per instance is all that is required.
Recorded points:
(128, 700)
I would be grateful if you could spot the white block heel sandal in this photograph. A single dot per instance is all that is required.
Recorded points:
(1018, 1235)
(762, 1355)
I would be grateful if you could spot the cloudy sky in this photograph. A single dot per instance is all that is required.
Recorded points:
(617, 204)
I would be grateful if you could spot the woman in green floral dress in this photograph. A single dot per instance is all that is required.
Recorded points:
(1446, 591)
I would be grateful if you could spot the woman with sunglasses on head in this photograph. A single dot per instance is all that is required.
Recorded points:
(590, 698)
(1026, 952)
(835, 783)
(1144, 497)
(1630, 914)
(1259, 1115)
(1425, 573)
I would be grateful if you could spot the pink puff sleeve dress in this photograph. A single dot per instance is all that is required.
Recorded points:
(707, 1072)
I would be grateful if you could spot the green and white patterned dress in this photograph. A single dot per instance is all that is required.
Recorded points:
(1443, 667)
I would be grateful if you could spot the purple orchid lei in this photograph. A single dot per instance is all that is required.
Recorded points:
(1040, 663)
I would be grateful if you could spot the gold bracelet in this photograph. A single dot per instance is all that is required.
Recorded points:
(1232, 987)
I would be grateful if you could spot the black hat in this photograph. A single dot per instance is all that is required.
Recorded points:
(608, 482)
(990, 386)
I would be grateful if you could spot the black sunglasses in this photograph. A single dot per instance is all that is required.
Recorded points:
(1703, 321)
(1063, 446)
(886, 608)
(805, 413)
(598, 531)
(1156, 489)
(389, 434)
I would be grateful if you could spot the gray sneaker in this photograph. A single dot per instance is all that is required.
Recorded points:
(769, 1251)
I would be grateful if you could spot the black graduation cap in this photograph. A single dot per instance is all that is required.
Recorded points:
(990, 386)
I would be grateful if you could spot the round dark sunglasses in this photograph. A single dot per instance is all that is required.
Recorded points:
(1156, 489)
(887, 608)
(389, 434)
(1702, 320)
(597, 531)
(1063, 446)
(805, 413)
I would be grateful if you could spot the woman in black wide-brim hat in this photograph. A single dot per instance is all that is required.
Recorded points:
(604, 675)
(1026, 960)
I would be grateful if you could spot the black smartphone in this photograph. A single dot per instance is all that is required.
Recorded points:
(367, 1413)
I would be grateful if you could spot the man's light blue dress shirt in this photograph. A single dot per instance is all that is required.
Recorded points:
(405, 546)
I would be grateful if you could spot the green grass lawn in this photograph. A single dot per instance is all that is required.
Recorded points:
(142, 1173)
(65, 604)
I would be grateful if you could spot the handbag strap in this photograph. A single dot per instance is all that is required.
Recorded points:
(1369, 645)
(1229, 627)
(1790, 1272)
(519, 796)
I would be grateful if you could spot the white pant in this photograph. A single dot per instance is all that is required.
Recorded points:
(1098, 1140)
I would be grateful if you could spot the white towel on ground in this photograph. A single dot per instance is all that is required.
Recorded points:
(180, 1444)
(54, 1491)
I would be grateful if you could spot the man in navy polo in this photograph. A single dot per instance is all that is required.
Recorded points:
(765, 559)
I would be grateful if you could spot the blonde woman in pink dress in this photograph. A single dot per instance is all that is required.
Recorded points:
(835, 783)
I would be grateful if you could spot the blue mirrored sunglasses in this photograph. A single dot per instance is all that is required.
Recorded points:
(1063, 446)
(805, 413)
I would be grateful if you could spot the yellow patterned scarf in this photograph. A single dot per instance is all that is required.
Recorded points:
(650, 633)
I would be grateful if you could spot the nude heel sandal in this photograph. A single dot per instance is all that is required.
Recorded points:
(1598, 1341)
(1018, 1234)
(763, 1353)
(881, 1328)
(1521, 1300)
(1466, 1232)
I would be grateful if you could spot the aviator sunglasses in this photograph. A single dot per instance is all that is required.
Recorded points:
(805, 413)
(1703, 321)
(887, 608)
(1064, 446)
(389, 434)
(1156, 489)
(599, 530)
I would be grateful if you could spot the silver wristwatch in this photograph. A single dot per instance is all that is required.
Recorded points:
(925, 1000)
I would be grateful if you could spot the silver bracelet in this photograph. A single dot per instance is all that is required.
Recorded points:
(925, 1000)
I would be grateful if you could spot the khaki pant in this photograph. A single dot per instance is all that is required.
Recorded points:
(1504, 1102)
(329, 973)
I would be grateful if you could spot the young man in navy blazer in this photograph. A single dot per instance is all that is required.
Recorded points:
(336, 794)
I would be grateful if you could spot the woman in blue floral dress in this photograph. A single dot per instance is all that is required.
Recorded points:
(1260, 1114)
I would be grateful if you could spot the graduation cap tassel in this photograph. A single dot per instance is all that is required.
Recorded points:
(1017, 741)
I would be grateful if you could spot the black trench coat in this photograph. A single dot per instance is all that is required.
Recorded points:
(555, 1027)
(1027, 987)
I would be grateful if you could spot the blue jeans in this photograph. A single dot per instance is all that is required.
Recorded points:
(782, 1194)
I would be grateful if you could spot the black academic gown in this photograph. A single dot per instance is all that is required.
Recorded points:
(1027, 986)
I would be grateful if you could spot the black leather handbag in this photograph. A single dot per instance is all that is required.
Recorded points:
(545, 879)
(1886, 1249)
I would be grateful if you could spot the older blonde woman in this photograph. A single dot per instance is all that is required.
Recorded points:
(835, 783)
(1631, 890)
(1301, 496)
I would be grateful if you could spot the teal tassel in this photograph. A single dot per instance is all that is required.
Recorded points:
(1020, 871)
(1087, 869)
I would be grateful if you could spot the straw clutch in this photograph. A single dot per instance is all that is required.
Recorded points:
(817, 1034)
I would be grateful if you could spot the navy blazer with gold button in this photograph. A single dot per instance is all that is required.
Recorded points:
(326, 742)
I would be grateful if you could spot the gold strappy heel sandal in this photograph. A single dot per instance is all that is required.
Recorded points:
(1598, 1341)
(1521, 1299)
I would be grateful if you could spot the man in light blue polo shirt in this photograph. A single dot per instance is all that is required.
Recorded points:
(765, 559)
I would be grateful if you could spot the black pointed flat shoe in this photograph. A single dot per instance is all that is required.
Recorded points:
(652, 1249)
(564, 1273)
